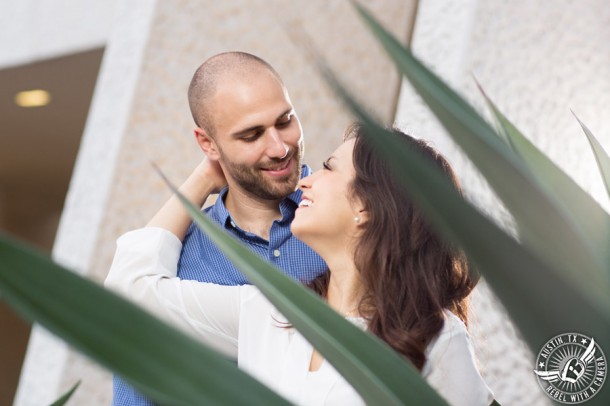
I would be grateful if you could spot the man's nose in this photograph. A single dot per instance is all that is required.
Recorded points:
(276, 148)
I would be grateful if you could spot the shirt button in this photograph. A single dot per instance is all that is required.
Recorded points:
(276, 253)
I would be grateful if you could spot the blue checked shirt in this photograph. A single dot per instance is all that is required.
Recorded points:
(201, 260)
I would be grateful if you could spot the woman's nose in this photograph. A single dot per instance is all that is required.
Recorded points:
(307, 181)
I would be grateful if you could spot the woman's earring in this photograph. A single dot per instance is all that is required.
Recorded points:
(357, 219)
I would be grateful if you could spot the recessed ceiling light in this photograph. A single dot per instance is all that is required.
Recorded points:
(33, 98)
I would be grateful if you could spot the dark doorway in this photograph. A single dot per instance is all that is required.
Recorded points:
(38, 147)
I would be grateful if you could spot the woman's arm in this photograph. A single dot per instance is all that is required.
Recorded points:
(206, 179)
(145, 266)
(144, 271)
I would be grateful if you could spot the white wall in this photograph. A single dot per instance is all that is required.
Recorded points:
(537, 60)
(31, 30)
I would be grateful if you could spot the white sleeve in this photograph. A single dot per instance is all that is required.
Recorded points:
(451, 368)
(144, 271)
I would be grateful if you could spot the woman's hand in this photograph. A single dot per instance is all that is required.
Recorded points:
(207, 173)
(206, 179)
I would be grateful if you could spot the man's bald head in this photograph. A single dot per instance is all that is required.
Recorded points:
(205, 82)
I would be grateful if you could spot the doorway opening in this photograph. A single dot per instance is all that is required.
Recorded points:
(38, 148)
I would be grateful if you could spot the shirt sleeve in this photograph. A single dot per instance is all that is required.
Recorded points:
(451, 369)
(144, 271)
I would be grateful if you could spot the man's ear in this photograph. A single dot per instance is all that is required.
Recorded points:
(207, 144)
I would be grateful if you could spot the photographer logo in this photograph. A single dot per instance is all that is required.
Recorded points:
(571, 368)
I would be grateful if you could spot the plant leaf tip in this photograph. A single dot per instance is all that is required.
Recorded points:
(162, 175)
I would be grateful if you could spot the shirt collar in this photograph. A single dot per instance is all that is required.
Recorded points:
(297, 195)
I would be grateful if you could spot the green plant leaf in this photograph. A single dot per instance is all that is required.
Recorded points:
(602, 158)
(588, 214)
(65, 397)
(375, 371)
(504, 127)
(542, 301)
(544, 224)
(162, 362)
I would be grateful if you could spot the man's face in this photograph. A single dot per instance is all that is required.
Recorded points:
(258, 136)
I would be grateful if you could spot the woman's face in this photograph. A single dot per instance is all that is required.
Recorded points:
(325, 216)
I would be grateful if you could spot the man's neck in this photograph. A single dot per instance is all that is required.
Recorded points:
(250, 213)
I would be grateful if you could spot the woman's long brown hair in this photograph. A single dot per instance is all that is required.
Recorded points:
(409, 273)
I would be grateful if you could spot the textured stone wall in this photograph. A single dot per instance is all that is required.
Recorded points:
(537, 60)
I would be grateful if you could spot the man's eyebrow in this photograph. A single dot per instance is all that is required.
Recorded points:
(245, 131)
(259, 127)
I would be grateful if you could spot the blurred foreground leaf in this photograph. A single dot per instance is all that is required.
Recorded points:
(162, 362)
(549, 284)
(603, 161)
(544, 223)
(378, 374)
(63, 399)
(586, 212)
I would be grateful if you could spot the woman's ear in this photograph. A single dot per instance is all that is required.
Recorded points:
(362, 215)
(207, 144)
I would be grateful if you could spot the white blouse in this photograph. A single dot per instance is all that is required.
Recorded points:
(239, 322)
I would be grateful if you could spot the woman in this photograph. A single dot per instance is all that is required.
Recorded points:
(388, 273)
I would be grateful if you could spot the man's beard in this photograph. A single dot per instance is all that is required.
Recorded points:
(253, 180)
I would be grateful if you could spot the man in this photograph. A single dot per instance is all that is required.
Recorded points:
(253, 142)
